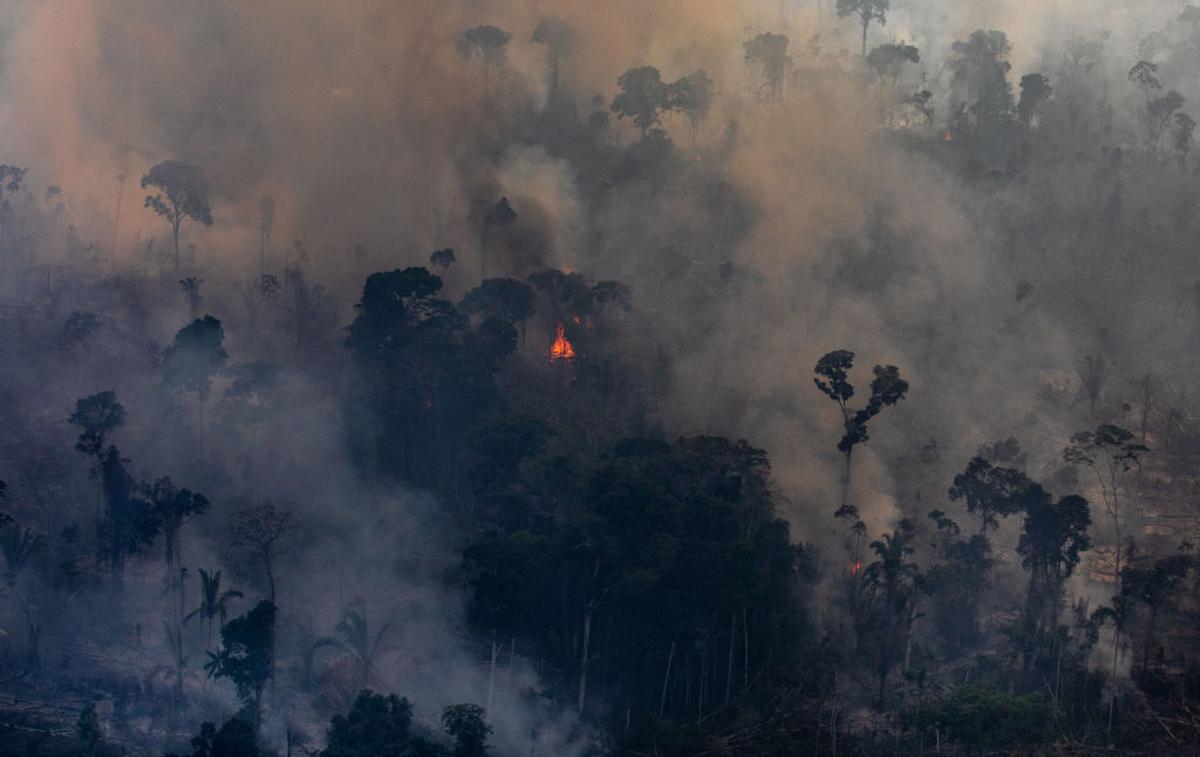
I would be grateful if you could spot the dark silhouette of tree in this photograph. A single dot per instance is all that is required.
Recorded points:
(1052, 537)
(867, 11)
(172, 508)
(1159, 114)
(190, 287)
(769, 52)
(691, 95)
(353, 637)
(1183, 137)
(832, 378)
(182, 194)
(246, 656)
(1155, 587)
(128, 525)
(1035, 90)
(1111, 452)
(214, 603)
(642, 99)
(489, 44)
(958, 580)
(442, 258)
(558, 36)
(97, 415)
(266, 222)
(499, 216)
(1093, 374)
(266, 532)
(87, 730)
(990, 491)
(194, 357)
(378, 725)
(980, 65)
(465, 724)
(887, 61)
(508, 300)
(235, 738)
(884, 628)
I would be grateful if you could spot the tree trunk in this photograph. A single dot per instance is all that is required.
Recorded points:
(583, 662)
(662, 700)
(745, 653)
(175, 236)
(846, 479)
(492, 674)
(729, 667)
(866, 22)
(1148, 643)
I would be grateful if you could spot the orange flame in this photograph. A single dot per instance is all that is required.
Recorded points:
(855, 567)
(561, 349)
(948, 136)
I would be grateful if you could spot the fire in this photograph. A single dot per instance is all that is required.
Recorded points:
(855, 567)
(561, 349)
(948, 136)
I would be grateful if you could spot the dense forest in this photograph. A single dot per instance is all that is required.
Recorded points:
(517, 377)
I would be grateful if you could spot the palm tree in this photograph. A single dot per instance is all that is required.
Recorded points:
(353, 638)
(213, 601)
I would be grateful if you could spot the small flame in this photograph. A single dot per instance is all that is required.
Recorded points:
(855, 567)
(948, 136)
(561, 349)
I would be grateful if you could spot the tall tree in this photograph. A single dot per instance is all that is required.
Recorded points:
(1035, 90)
(769, 52)
(246, 656)
(642, 99)
(832, 378)
(867, 11)
(174, 507)
(192, 360)
(1110, 452)
(266, 222)
(558, 36)
(214, 603)
(489, 44)
(182, 194)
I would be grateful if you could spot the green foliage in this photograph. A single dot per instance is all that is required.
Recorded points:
(982, 719)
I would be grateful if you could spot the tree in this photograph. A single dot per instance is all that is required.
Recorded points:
(182, 194)
(509, 300)
(832, 378)
(499, 216)
(246, 656)
(867, 11)
(465, 723)
(194, 357)
(87, 730)
(1111, 452)
(980, 65)
(769, 53)
(173, 508)
(887, 61)
(1160, 112)
(1093, 374)
(266, 222)
(214, 603)
(97, 415)
(266, 532)
(128, 525)
(442, 258)
(1154, 587)
(1035, 90)
(1052, 537)
(893, 579)
(1144, 75)
(489, 44)
(1182, 137)
(191, 292)
(558, 36)
(377, 726)
(354, 638)
(990, 491)
(691, 95)
(642, 99)
(235, 738)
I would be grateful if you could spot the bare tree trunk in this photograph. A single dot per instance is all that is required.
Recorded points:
(729, 667)
(662, 701)
(583, 662)
(745, 653)
(492, 674)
